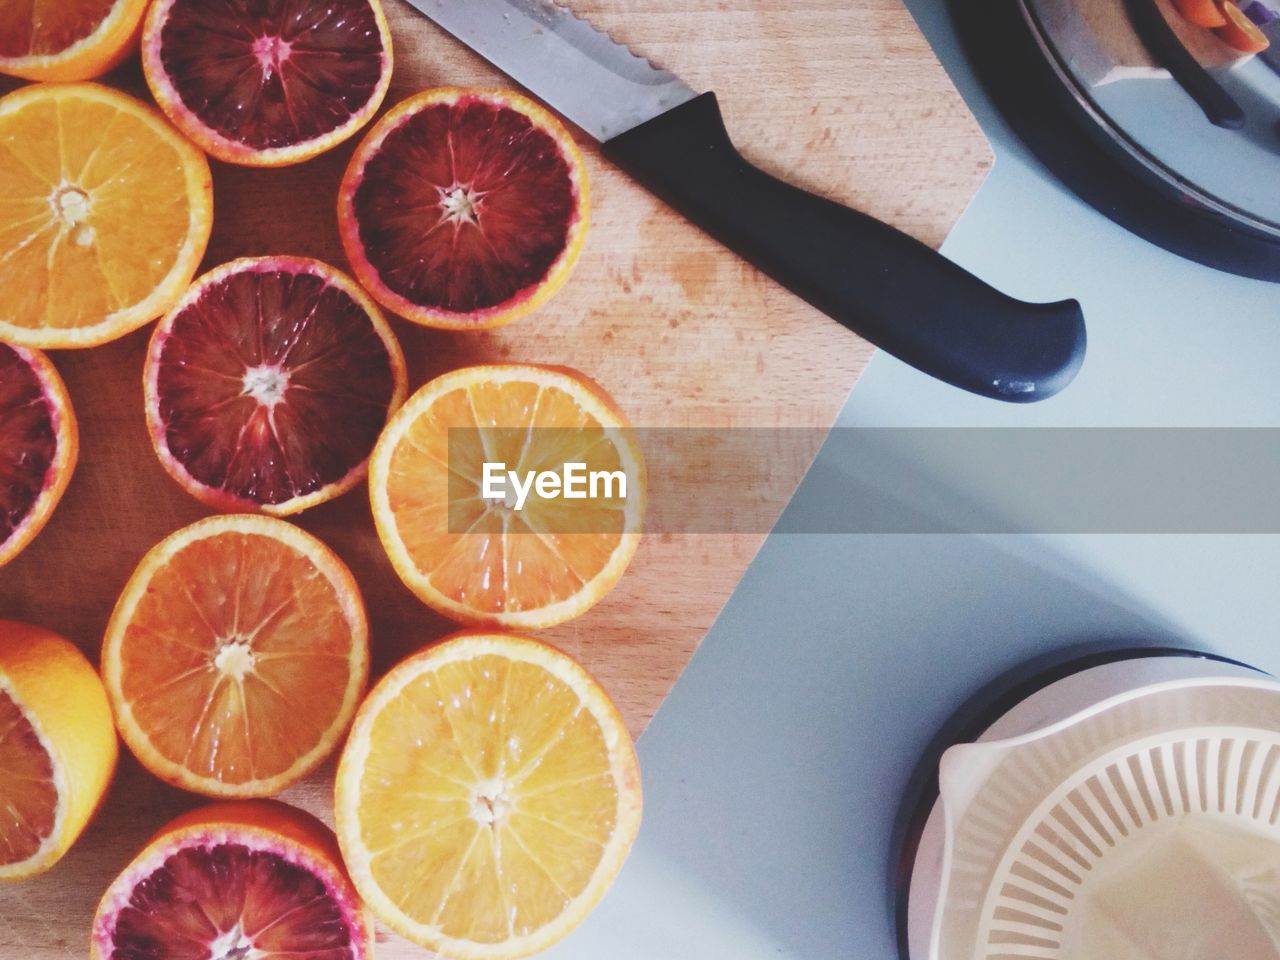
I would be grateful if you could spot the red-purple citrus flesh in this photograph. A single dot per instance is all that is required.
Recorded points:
(235, 881)
(246, 78)
(228, 902)
(465, 204)
(32, 27)
(269, 384)
(28, 440)
(28, 815)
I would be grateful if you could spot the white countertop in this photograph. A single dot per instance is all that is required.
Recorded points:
(774, 771)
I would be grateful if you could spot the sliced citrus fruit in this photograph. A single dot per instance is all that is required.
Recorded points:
(1239, 31)
(267, 82)
(480, 560)
(1203, 13)
(268, 384)
(105, 212)
(38, 445)
(487, 797)
(57, 747)
(67, 40)
(464, 208)
(247, 880)
(236, 656)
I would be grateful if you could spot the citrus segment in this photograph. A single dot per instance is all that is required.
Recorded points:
(464, 208)
(269, 383)
(104, 214)
(233, 881)
(30, 795)
(236, 656)
(38, 445)
(267, 82)
(67, 40)
(487, 796)
(57, 748)
(480, 560)
(1239, 31)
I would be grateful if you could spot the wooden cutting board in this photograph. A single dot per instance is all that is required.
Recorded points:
(843, 98)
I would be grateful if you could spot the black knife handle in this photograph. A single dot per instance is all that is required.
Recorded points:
(1168, 51)
(878, 282)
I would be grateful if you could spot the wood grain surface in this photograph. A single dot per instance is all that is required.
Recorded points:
(843, 98)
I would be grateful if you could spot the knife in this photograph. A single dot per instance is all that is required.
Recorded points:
(1168, 51)
(885, 286)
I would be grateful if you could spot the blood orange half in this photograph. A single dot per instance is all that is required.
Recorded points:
(267, 82)
(235, 881)
(57, 748)
(464, 209)
(38, 445)
(269, 383)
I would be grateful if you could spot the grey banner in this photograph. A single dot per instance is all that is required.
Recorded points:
(927, 480)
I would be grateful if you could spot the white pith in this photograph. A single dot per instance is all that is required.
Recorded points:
(266, 383)
(460, 204)
(234, 659)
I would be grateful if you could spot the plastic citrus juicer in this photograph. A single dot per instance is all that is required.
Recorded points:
(1127, 811)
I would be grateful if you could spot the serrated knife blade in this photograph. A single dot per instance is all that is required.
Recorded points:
(582, 72)
(872, 278)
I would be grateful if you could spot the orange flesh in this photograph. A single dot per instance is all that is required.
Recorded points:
(1203, 13)
(1241, 32)
(491, 558)
(41, 27)
(93, 212)
(488, 799)
(236, 659)
(28, 797)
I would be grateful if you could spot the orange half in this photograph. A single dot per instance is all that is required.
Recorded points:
(481, 560)
(236, 656)
(487, 797)
(105, 211)
(67, 39)
(57, 748)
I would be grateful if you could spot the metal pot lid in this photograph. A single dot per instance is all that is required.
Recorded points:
(1135, 102)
